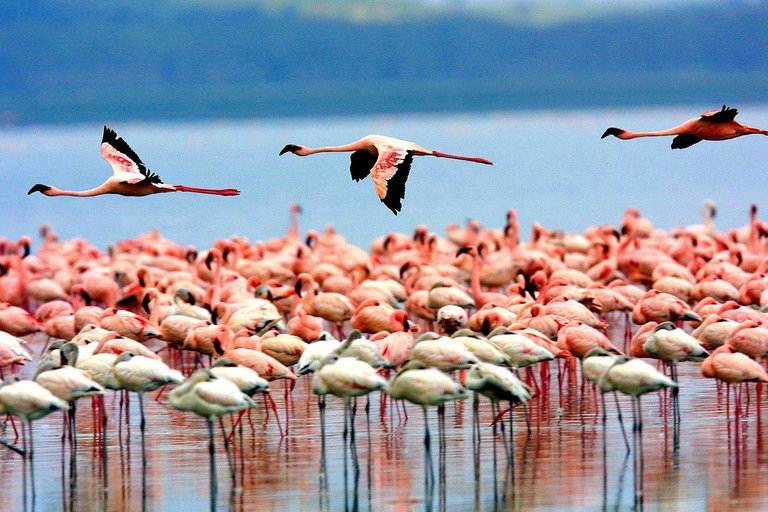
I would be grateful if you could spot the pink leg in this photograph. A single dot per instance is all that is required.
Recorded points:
(277, 417)
(160, 393)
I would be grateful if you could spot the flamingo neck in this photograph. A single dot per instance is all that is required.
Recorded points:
(52, 192)
(332, 149)
(634, 135)
(476, 290)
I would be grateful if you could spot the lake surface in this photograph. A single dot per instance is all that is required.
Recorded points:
(720, 464)
(550, 165)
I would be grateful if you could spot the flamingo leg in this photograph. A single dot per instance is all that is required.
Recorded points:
(212, 452)
(621, 421)
(30, 455)
(226, 450)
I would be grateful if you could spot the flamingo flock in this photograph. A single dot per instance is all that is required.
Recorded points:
(419, 318)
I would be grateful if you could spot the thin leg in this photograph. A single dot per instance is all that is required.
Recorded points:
(212, 452)
(142, 426)
(31, 454)
(229, 455)
(640, 445)
(621, 421)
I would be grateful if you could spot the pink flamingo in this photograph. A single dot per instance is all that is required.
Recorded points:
(386, 159)
(131, 177)
(712, 125)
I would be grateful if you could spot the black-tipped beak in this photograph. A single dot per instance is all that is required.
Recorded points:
(463, 250)
(292, 148)
(486, 327)
(297, 288)
(209, 260)
(39, 188)
(406, 324)
(145, 303)
(612, 131)
(87, 298)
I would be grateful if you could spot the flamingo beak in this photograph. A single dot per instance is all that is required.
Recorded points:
(292, 148)
(39, 188)
(612, 131)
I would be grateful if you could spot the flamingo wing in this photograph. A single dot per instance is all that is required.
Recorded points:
(726, 115)
(123, 159)
(685, 140)
(362, 162)
(390, 174)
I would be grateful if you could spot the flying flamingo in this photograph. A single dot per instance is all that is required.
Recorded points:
(386, 159)
(712, 125)
(131, 177)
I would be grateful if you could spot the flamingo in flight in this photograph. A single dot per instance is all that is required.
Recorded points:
(712, 125)
(131, 177)
(386, 159)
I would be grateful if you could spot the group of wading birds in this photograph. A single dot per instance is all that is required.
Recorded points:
(260, 309)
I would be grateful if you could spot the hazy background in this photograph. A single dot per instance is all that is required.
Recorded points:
(207, 92)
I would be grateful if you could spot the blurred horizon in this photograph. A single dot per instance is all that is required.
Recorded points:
(83, 61)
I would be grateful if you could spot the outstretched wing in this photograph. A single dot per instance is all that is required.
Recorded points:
(390, 174)
(122, 158)
(361, 164)
(725, 115)
(684, 140)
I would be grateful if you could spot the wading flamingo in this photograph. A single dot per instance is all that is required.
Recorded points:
(712, 125)
(386, 159)
(28, 401)
(210, 397)
(131, 177)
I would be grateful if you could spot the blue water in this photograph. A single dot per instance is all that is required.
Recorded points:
(550, 165)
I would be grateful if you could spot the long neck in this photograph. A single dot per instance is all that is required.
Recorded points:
(334, 149)
(76, 193)
(633, 135)
(293, 231)
(476, 290)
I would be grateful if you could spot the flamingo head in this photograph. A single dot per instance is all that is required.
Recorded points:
(470, 249)
(43, 189)
(616, 132)
(295, 149)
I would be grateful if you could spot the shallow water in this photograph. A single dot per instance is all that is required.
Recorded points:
(561, 466)
(550, 165)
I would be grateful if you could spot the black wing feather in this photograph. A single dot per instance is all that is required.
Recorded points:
(726, 115)
(361, 164)
(684, 140)
(396, 184)
(111, 138)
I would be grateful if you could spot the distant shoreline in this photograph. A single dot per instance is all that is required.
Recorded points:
(329, 99)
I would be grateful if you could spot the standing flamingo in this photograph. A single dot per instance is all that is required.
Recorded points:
(28, 401)
(635, 378)
(712, 125)
(131, 177)
(210, 397)
(386, 159)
